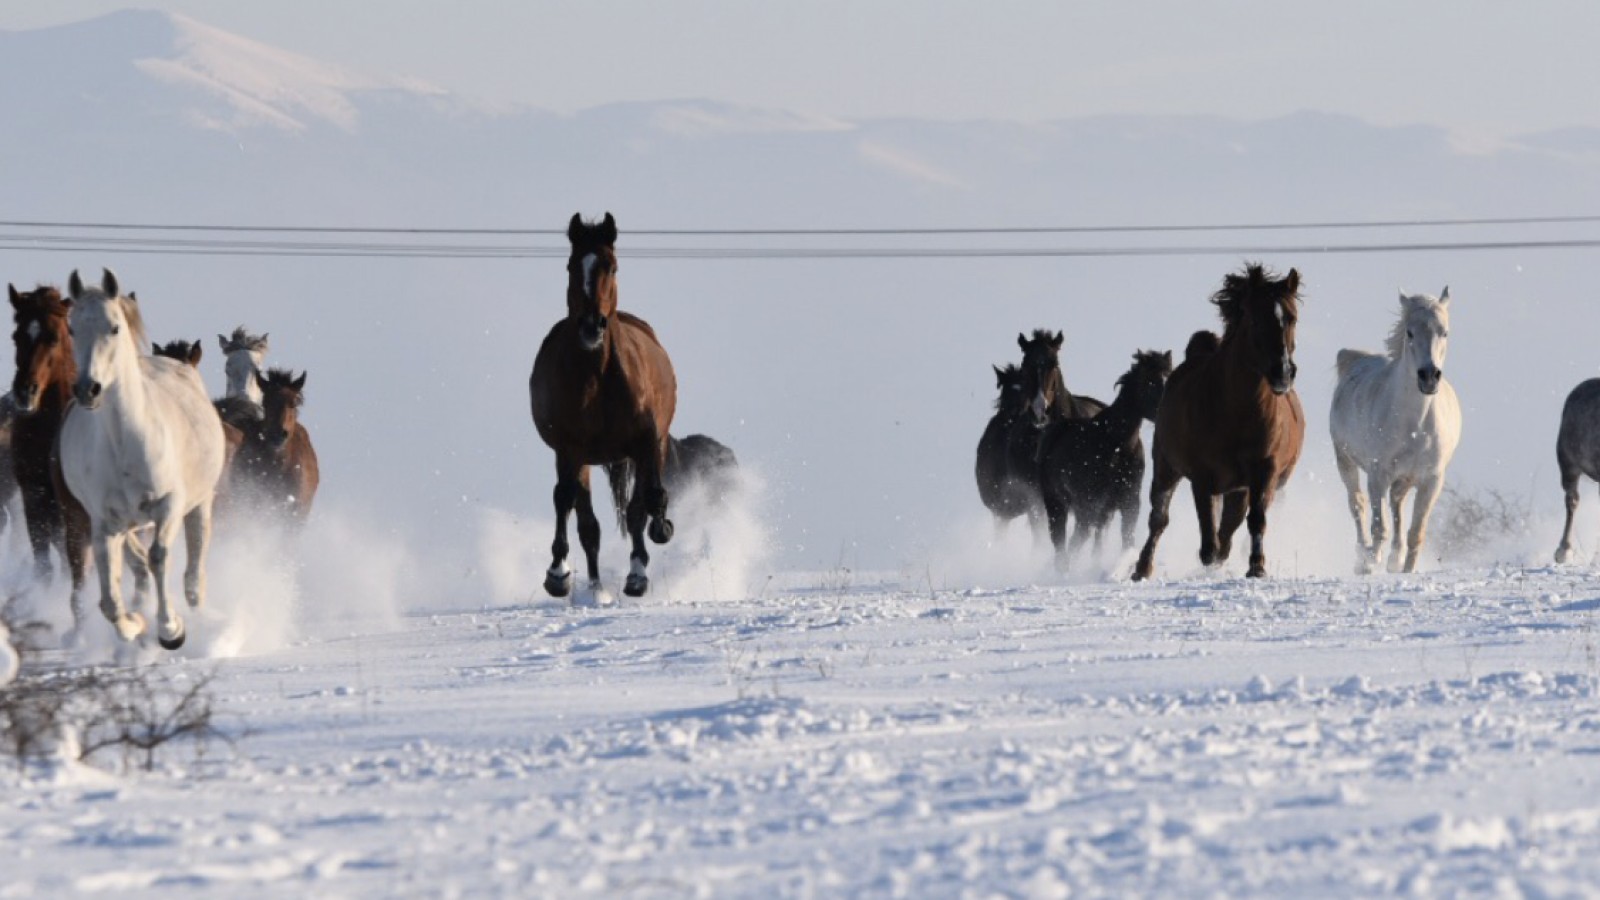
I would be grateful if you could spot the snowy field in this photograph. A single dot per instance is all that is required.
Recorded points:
(840, 734)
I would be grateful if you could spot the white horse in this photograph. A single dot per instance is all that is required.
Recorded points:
(1397, 418)
(142, 446)
(243, 355)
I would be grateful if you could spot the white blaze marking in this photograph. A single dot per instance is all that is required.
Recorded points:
(33, 330)
(588, 274)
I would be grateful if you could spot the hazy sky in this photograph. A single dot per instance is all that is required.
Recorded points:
(1476, 66)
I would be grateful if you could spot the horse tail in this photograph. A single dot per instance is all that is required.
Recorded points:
(1347, 360)
(620, 474)
(1201, 345)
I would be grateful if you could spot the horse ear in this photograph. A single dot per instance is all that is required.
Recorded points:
(1292, 281)
(264, 336)
(299, 384)
(195, 351)
(1444, 296)
(16, 298)
(155, 349)
(574, 228)
(223, 343)
(1022, 341)
(999, 377)
(108, 283)
(74, 285)
(608, 230)
(1059, 339)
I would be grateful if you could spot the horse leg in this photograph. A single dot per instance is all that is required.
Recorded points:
(589, 531)
(138, 560)
(1378, 484)
(1130, 518)
(1080, 534)
(169, 625)
(78, 545)
(1421, 509)
(655, 495)
(1262, 487)
(196, 539)
(1233, 509)
(1162, 483)
(638, 582)
(1055, 508)
(1205, 509)
(43, 520)
(1569, 485)
(1350, 474)
(1397, 499)
(558, 578)
(108, 559)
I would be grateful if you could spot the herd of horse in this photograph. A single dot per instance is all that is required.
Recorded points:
(1228, 420)
(113, 449)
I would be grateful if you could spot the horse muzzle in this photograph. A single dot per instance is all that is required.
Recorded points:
(592, 331)
(26, 399)
(88, 392)
(1429, 379)
(1281, 378)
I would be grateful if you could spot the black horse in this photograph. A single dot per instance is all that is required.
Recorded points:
(1006, 495)
(702, 461)
(1093, 468)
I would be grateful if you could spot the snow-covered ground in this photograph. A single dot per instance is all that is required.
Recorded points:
(841, 734)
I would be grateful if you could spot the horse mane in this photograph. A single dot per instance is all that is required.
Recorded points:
(130, 311)
(1151, 361)
(1237, 287)
(45, 299)
(282, 378)
(243, 340)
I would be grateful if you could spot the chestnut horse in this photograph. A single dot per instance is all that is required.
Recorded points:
(275, 471)
(1230, 421)
(603, 392)
(41, 392)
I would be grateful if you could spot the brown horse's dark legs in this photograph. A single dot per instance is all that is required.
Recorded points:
(1055, 508)
(1569, 484)
(638, 512)
(1162, 485)
(1205, 510)
(1233, 509)
(1261, 490)
(44, 527)
(558, 579)
(78, 548)
(589, 534)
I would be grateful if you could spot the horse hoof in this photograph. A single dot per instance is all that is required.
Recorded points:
(175, 641)
(558, 585)
(636, 586)
(130, 626)
(1563, 554)
(661, 530)
(1257, 570)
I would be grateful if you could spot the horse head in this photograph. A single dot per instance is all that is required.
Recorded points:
(1265, 308)
(1041, 371)
(281, 397)
(1012, 401)
(107, 332)
(187, 352)
(592, 278)
(43, 343)
(1148, 380)
(242, 357)
(1426, 321)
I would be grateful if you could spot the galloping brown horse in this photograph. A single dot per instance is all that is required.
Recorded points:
(275, 469)
(1230, 421)
(603, 393)
(41, 391)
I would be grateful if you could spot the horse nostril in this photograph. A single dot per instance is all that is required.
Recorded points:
(94, 389)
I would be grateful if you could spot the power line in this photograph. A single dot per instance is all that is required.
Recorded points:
(1504, 221)
(358, 250)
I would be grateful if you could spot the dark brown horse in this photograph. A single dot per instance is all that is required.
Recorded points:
(275, 470)
(1230, 421)
(41, 391)
(603, 393)
(1005, 495)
